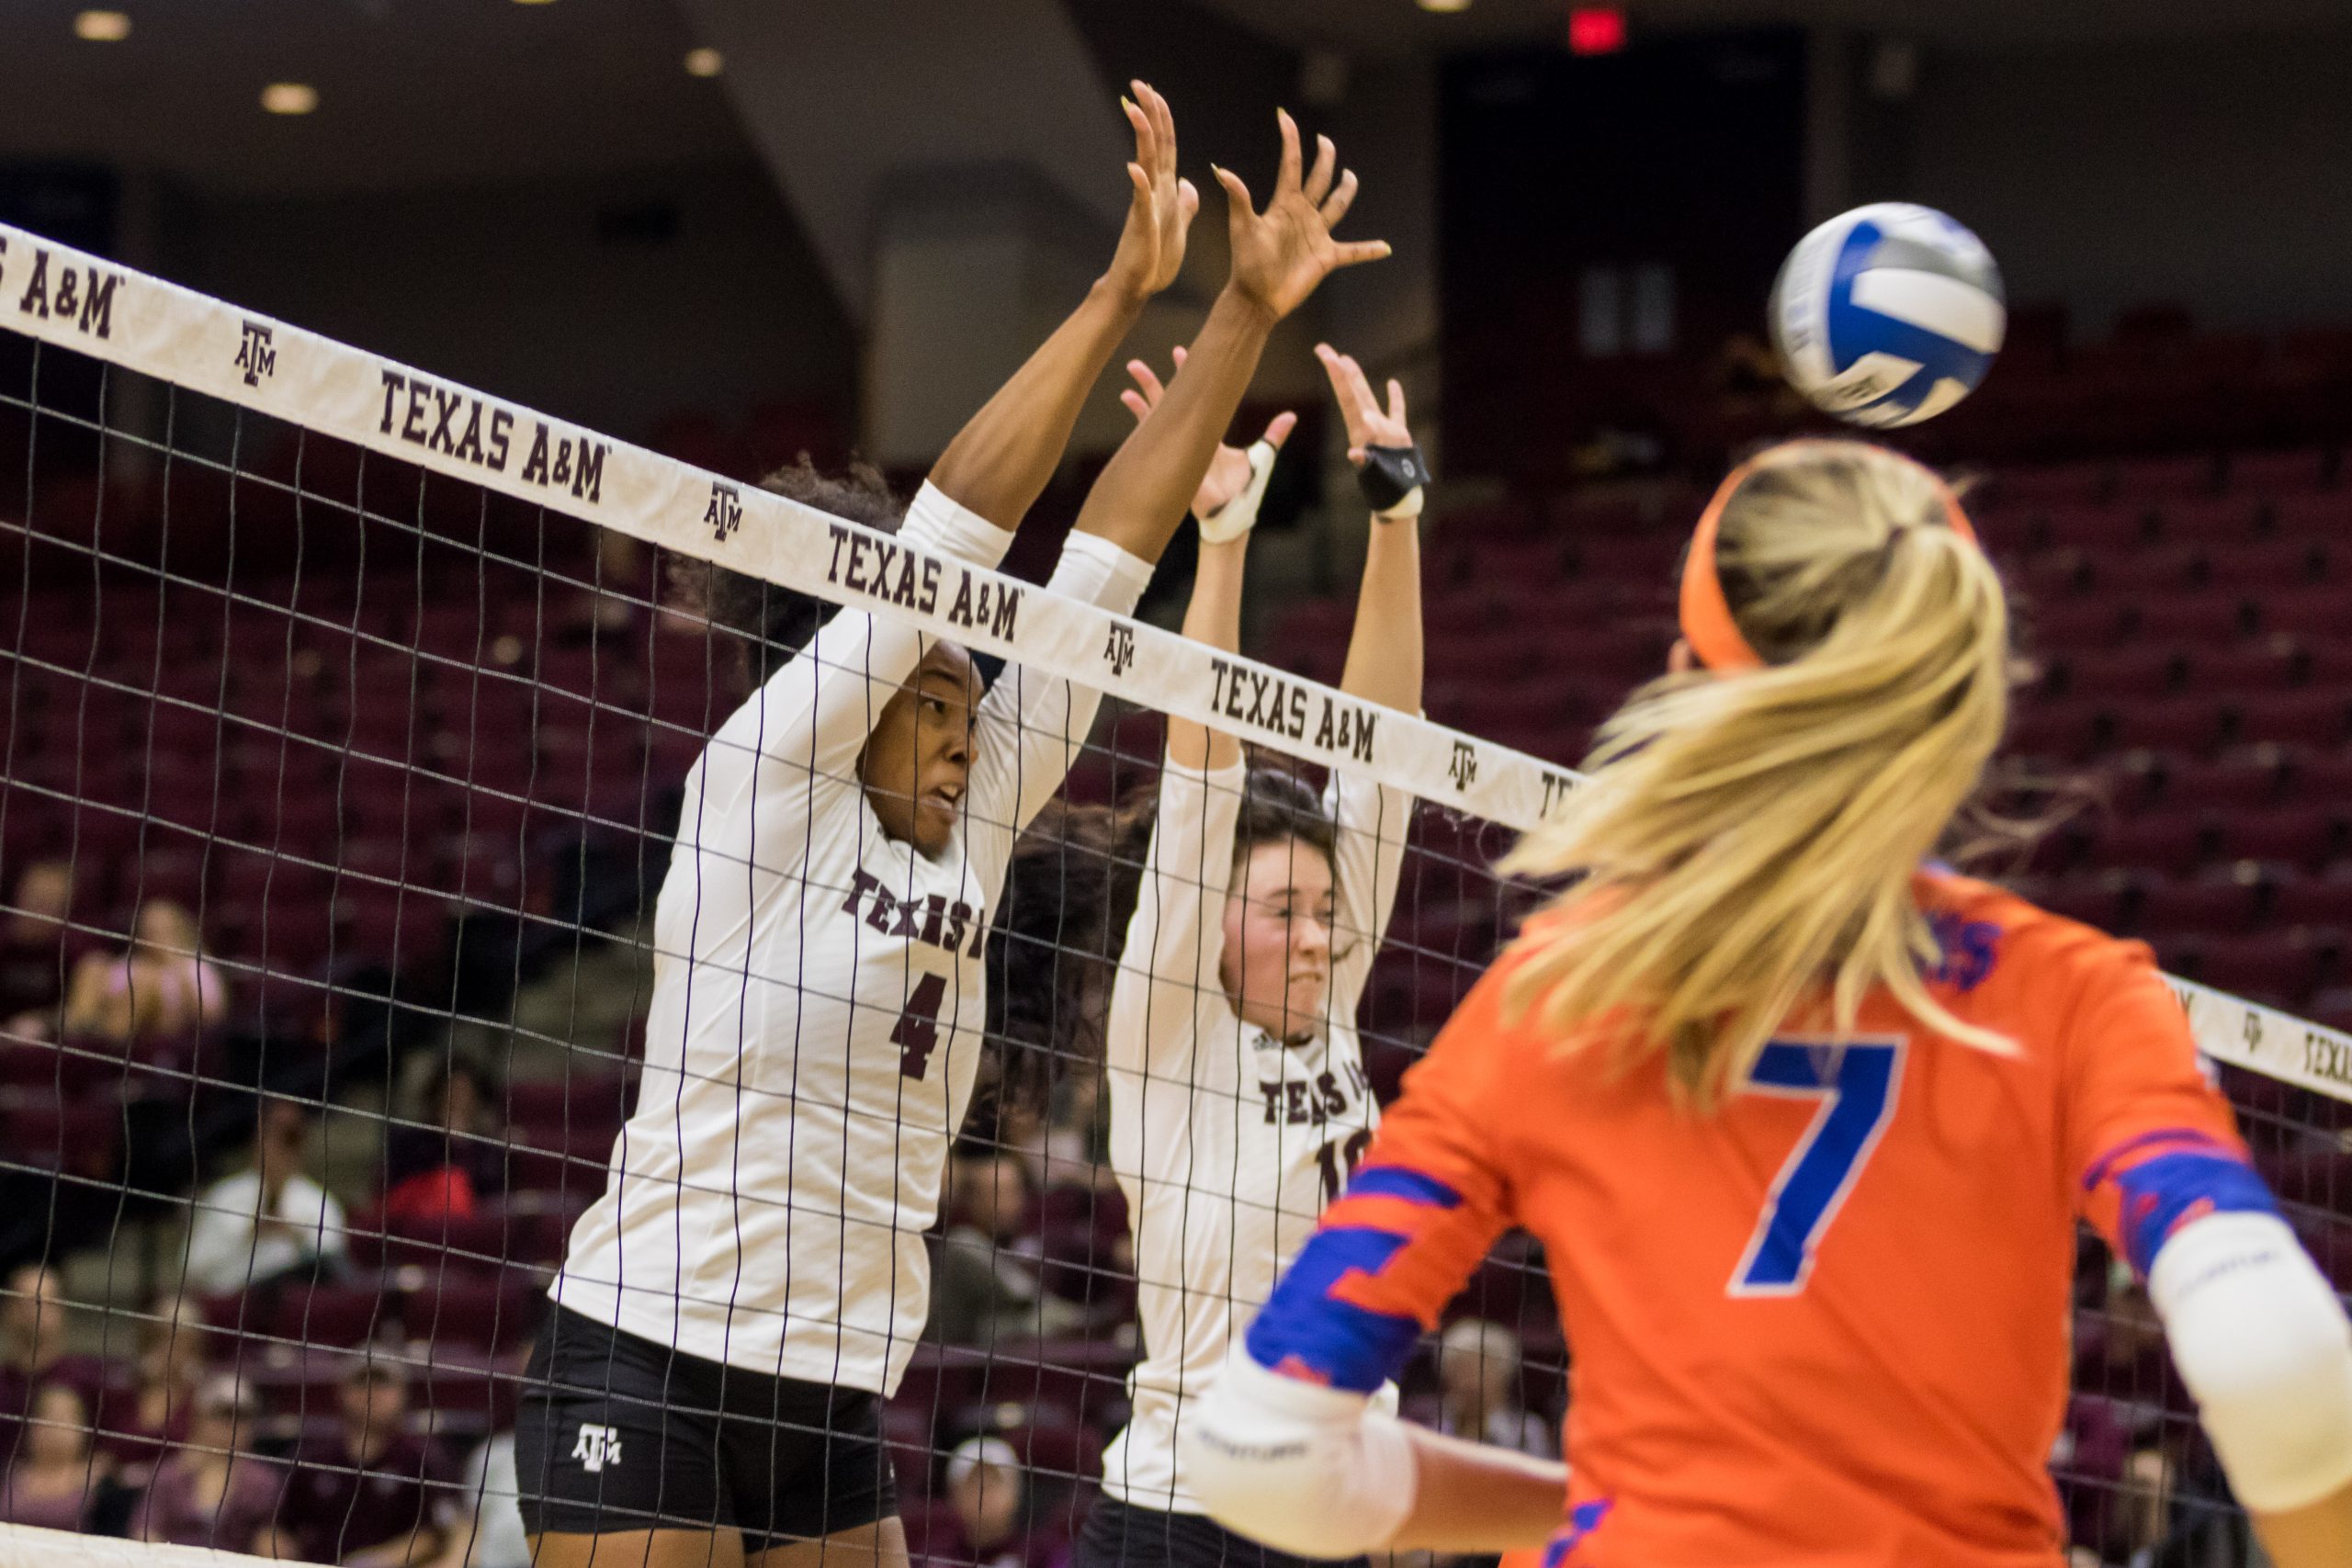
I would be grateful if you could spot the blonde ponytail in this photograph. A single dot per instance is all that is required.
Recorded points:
(1746, 847)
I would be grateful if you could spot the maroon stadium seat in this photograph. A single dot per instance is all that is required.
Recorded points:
(2190, 618)
(2245, 667)
(2278, 473)
(2120, 672)
(2172, 907)
(2056, 482)
(2314, 612)
(2299, 835)
(2167, 724)
(2171, 842)
(2162, 479)
(491, 1310)
(2308, 718)
(2260, 566)
(2324, 517)
(2232, 783)
(2212, 521)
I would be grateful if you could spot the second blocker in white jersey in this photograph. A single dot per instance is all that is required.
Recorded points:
(1227, 1141)
(818, 1004)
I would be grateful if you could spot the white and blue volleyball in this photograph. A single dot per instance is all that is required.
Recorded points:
(1889, 314)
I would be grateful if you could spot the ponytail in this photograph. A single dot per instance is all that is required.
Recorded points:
(1746, 846)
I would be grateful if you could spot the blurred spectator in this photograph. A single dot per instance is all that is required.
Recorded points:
(171, 1375)
(1478, 1368)
(270, 1223)
(208, 1491)
(481, 1526)
(985, 1281)
(988, 1523)
(452, 1154)
(35, 951)
(366, 1491)
(56, 1477)
(164, 987)
(33, 1349)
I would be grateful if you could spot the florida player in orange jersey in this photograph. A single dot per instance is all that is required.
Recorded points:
(1804, 1124)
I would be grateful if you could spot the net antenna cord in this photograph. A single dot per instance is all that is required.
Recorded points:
(79, 303)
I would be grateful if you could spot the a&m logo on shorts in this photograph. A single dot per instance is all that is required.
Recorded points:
(597, 1446)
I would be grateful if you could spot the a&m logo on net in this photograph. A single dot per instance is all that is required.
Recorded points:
(597, 1446)
(1119, 652)
(255, 355)
(725, 512)
(1464, 769)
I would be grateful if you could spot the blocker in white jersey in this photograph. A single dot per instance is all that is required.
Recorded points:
(1228, 1138)
(818, 1000)
(1238, 1098)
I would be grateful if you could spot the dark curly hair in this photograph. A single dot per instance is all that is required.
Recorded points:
(773, 623)
(1062, 920)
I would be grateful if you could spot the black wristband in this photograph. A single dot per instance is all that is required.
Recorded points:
(1390, 474)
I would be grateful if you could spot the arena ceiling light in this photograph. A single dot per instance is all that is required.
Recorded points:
(102, 27)
(1444, 5)
(705, 61)
(290, 97)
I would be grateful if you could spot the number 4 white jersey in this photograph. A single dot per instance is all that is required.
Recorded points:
(1227, 1142)
(818, 1000)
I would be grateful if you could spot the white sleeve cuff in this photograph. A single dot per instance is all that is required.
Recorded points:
(1314, 1471)
(1101, 573)
(2261, 1340)
(939, 522)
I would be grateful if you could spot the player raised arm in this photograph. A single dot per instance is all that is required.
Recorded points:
(1384, 652)
(1279, 257)
(1225, 504)
(912, 749)
(999, 462)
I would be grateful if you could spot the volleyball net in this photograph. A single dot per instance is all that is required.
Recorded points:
(349, 716)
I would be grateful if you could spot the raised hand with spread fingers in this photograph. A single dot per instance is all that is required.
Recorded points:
(1280, 254)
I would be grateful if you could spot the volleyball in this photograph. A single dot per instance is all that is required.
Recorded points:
(1889, 314)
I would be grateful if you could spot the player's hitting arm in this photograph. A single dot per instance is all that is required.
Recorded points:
(1000, 461)
(2256, 1330)
(1287, 1448)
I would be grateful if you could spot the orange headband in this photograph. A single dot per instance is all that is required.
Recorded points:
(1707, 623)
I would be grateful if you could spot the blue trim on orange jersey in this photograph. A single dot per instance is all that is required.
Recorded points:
(1396, 1181)
(1583, 1520)
(2162, 1194)
(1305, 1330)
(2187, 1137)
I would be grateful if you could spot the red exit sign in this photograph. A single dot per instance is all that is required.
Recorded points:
(1596, 29)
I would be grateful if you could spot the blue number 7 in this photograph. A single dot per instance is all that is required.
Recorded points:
(1856, 1084)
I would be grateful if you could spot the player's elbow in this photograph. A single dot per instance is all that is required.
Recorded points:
(2262, 1342)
